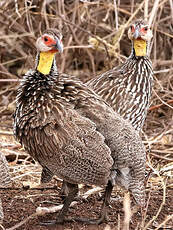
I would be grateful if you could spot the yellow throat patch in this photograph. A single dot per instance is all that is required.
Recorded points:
(140, 47)
(45, 62)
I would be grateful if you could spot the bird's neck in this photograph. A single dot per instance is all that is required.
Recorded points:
(45, 61)
(140, 48)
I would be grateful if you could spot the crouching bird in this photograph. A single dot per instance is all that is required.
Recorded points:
(73, 133)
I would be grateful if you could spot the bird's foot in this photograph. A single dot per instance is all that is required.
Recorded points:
(59, 220)
(100, 220)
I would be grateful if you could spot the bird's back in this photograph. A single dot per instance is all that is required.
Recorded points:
(127, 89)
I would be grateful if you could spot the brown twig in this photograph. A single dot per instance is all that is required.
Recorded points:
(154, 107)
(164, 103)
(10, 80)
(22, 222)
(6, 133)
(27, 188)
(169, 217)
(160, 208)
(159, 156)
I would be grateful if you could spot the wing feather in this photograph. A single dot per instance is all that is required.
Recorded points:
(72, 150)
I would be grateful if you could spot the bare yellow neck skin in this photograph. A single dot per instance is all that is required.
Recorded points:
(45, 62)
(140, 47)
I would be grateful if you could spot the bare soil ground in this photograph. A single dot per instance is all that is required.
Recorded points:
(19, 204)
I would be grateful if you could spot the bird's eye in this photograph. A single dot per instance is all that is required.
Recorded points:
(145, 28)
(46, 39)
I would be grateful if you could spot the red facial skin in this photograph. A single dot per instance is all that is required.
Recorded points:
(48, 41)
(142, 30)
(132, 29)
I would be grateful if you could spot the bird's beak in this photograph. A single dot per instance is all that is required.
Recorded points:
(58, 45)
(136, 33)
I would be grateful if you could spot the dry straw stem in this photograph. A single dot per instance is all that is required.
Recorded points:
(153, 12)
(116, 15)
(17, 8)
(160, 208)
(146, 10)
(107, 227)
(153, 153)
(120, 33)
(22, 222)
(127, 211)
(162, 100)
(171, 5)
(169, 35)
(168, 218)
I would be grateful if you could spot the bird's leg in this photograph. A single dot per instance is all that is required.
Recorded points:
(105, 205)
(106, 202)
(73, 190)
(46, 175)
(64, 190)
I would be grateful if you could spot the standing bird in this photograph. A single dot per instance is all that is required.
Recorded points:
(5, 180)
(73, 133)
(127, 88)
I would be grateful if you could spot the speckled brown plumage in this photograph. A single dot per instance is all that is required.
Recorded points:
(57, 136)
(5, 180)
(75, 135)
(127, 88)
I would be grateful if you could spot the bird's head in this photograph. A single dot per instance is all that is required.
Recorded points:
(140, 34)
(48, 45)
(51, 40)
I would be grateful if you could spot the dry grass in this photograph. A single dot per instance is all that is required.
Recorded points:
(95, 39)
